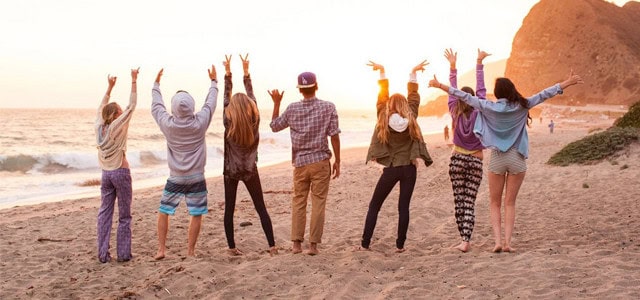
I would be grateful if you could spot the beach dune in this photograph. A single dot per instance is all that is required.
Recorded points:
(576, 235)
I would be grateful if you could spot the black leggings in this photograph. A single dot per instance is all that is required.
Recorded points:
(390, 176)
(255, 191)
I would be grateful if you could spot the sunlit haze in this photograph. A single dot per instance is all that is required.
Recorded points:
(58, 53)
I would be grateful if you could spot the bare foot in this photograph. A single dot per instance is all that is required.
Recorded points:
(191, 253)
(235, 251)
(360, 248)
(508, 249)
(297, 247)
(497, 249)
(313, 249)
(464, 247)
(159, 255)
(273, 250)
(400, 250)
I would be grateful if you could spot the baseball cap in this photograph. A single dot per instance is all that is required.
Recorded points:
(306, 80)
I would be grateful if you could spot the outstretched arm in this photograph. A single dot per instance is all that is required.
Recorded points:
(466, 97)
(111, 80)
(133, 98)
(212, 96)
(481, 90)
(413, 97)
(452, 57)
(383, 94)
(277, 123)
(554, 90)
(248, 87)
(228, 84)
(158, 110)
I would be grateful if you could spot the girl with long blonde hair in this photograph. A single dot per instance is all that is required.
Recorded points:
(241, 120)
(112, 127)
(397, 144)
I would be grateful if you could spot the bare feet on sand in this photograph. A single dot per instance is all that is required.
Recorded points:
(159, 255)
(273, 250)
(463, 247)
(508, 249)
(313, 249)
(497, 249)
(360, 248)
(400, 250)
(235, 251)
(297, 247)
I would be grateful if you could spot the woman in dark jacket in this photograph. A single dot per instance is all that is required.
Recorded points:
(241, 121)
(397, 144)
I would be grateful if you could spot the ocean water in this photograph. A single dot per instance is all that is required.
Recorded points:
(48, 154)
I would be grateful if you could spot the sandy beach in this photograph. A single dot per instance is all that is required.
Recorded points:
(576, 235)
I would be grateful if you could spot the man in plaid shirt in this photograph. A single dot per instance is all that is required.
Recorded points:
(311, 121)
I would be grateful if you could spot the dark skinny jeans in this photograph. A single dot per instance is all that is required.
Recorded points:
(406, 175)
(255, 191)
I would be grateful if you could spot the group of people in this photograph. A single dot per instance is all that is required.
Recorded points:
(397, 143)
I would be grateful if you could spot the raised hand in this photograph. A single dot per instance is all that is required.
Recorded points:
(212, 73)
(227, 64)
(452, 57)
(434, 82)
(134, 74)
(111, 80)
(482, 55)
(420, 67)
(376, 66)
(245, 64)
(276, 96)
(159, 76)
(573, 79)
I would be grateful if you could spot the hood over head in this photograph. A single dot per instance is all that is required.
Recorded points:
(182, 105)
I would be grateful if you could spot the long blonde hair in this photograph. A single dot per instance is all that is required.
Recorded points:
(243, 115)
(110, 112)
(397, 104)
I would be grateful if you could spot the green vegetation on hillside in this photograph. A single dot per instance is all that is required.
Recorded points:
(598, 146)
(631, 118)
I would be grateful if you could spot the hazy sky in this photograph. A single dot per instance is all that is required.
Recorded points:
(58, 53)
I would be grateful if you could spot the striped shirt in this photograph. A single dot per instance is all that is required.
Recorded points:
(310, 121)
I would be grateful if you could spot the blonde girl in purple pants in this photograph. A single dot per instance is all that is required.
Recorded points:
(112, 125)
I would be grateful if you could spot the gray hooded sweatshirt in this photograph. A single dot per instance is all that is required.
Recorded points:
(184, 129)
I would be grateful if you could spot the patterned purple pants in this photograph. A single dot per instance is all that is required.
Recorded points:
(116, 183)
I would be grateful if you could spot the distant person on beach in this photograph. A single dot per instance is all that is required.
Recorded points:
(241, 120)
(551, 126)
(112, 127)
(311, 121)
(398, 145)
(446, 133)
(501, 126)
(465, 166)
(186, 155)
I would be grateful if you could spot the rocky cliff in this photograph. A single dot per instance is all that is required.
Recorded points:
(598, 39)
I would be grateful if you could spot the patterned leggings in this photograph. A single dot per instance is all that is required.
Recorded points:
(115, 184)
(465, 172)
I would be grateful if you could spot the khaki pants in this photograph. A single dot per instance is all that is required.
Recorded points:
(312, 178)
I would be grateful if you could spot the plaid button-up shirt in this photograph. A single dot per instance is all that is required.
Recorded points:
(310, 122)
